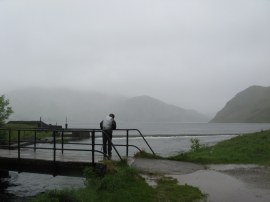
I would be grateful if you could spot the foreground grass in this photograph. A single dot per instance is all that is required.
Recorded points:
(123, 183)
(250, 148)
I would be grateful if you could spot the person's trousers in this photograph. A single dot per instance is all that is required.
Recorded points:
(107, 146)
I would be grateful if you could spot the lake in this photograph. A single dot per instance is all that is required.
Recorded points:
(174, 128)
(165, 138)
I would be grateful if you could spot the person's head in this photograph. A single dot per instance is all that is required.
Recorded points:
(112, 115)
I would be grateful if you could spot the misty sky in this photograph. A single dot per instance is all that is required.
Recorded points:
(196, 54)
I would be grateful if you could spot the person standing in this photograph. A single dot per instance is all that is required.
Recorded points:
(107, 125)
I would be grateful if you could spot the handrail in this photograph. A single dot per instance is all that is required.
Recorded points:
(61, 132)
(144, 140)
(140, 135)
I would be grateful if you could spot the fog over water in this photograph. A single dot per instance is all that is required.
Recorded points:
(193, 54)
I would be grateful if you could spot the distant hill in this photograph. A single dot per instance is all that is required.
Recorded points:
(82, 108)
(249, 106)
(145, 108)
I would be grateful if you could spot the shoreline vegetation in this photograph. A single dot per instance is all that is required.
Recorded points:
(123, 183)
(28, 136)
(253, 148)
(24, 135)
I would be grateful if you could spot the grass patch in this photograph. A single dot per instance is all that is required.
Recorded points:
(24, 135)
(57, 196)
(250, 148)
(123, 183)
(168, 190)
(20, 125)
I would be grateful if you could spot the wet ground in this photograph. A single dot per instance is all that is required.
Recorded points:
(221, 183)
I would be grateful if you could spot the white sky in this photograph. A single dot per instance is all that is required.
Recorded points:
(196, 54)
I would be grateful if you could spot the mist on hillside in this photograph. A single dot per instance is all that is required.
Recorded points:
(191, 54)
(87, 108)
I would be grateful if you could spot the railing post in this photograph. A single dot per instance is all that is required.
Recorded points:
(62, 140)
(93, 147)
(19, 144)
(145, 141)
(54, 147)
(127, 143)
(9, 138)
(35, 140)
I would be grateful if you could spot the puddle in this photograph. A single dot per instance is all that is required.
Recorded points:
(221, 187)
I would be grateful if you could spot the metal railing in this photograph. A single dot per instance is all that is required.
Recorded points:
(14, 140)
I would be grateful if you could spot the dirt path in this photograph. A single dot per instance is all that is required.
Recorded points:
(222, 183)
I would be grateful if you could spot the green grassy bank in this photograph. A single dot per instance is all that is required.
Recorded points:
(245, 149)
(4, 134)
(123, 183)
